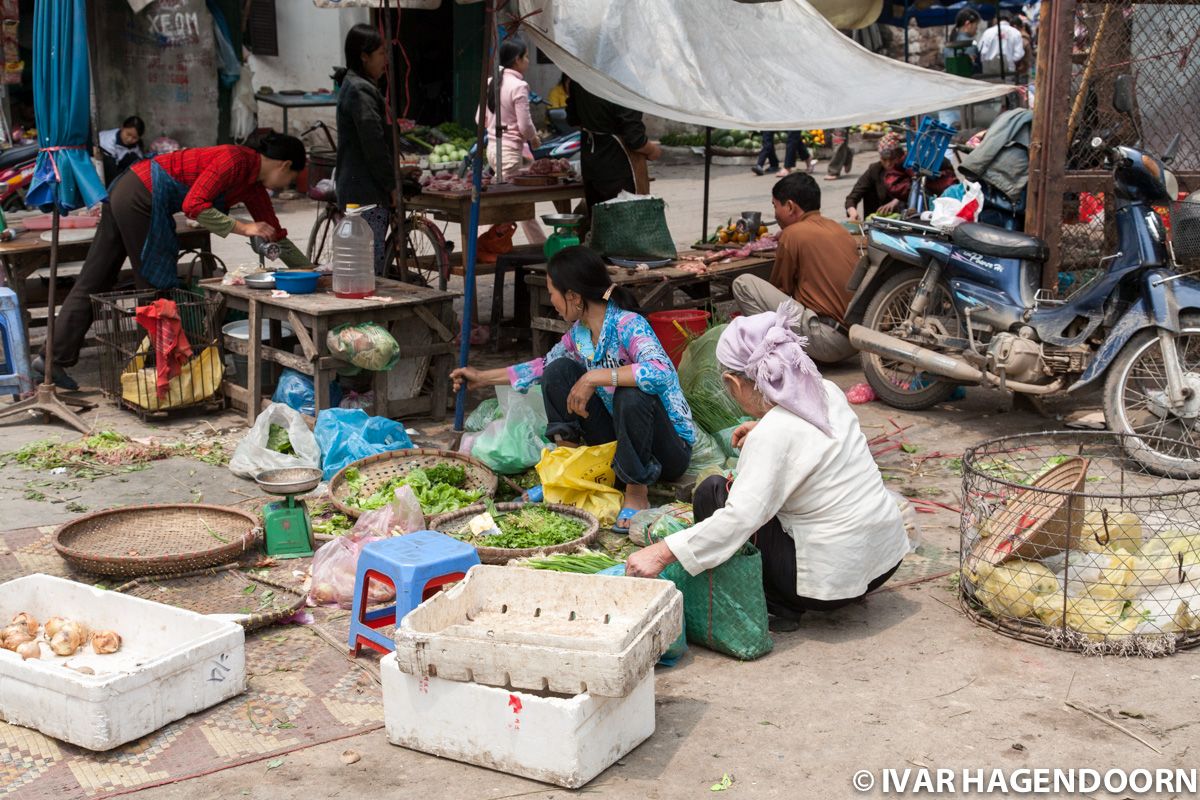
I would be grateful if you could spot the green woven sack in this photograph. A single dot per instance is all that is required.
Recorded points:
(724, 609)
(632, 229)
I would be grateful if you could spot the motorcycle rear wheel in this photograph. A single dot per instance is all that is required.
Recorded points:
(1136, 381)
(897, 383)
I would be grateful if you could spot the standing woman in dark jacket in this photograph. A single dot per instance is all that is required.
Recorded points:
(365, 170)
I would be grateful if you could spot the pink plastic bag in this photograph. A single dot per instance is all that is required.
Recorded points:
(333, 572)
(403, 515)
(860, 393)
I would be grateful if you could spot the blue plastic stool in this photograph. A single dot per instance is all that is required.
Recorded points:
(14, 371)
(416, 566)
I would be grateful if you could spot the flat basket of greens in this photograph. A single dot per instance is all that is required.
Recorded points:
(442, 480)
(526, 529)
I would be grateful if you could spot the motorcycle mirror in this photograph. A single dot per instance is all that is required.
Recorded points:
(1169, 155)
(1123, 94)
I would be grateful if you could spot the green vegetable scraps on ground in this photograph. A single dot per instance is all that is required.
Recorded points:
(109, 453)
(278, 440)
(586, 563)
(438, 489)
(336, 525)
(532, 526)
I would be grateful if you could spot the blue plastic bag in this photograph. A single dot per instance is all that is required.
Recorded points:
(295, 389)
(677, 648)
(347, 434)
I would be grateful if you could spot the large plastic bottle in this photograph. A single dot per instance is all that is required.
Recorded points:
(353, 255)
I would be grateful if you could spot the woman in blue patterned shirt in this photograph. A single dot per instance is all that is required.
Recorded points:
(607, 379)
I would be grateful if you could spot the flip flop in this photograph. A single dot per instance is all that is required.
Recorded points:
(625, 515)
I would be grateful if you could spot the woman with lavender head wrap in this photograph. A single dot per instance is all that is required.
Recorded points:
(807, 488)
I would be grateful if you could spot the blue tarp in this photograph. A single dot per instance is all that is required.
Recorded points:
(937, 15)
(61, 103)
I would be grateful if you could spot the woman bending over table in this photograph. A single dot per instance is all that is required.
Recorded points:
(608, 379)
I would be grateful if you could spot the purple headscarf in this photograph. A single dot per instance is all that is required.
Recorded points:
(765, 349)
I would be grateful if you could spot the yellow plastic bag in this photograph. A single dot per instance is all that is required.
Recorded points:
(197, 381)
(1012, 589)
(582, 477)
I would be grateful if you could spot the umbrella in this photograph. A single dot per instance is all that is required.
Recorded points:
(64, 177)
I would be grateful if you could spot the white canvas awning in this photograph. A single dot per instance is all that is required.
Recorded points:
(760, 66)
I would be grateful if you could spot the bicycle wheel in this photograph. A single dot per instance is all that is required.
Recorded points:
(424, 256)
(320, 238)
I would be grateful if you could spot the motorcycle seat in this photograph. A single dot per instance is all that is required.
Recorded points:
(322, 195)
(18, 155)
(992, 241)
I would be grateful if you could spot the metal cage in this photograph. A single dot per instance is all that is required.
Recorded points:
(130, 356)
(1068, 543)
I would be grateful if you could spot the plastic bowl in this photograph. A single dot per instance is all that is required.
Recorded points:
(297, 282)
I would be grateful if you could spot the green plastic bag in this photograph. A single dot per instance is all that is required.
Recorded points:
(700, 373)
(706, 454)
(632, 229)
(513, 442)
(724, 608)
(487, 411)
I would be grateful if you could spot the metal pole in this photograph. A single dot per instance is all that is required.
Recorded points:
(50, 310)
(464, 347)
(401, 235)
(707, 173)
(497, 77)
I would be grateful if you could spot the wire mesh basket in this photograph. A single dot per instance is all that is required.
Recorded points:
(176, 365)
(1185, 231)
(1068, 543)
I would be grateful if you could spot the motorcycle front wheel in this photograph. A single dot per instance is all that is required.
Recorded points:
(898, 383)
(1135, 392)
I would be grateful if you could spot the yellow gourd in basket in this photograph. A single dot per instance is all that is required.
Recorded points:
(197, 380)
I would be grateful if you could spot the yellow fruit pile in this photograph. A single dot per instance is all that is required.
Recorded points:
(874, 127)
(736, 233)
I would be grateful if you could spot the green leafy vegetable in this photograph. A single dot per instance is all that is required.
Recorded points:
(437, 488)
(278, 440)
(532, 526)
(336, 525)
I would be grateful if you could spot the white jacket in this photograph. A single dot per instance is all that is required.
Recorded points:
(827, 493)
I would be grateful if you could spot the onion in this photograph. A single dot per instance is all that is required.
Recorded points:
(26, 619)
(324, 594)
(64, 644)
(28, 650)
(16, 637)
(11, 630)
(77, 631)
(53, 626)
(105, 642)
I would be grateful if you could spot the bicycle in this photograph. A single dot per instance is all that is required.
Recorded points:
(424, 257)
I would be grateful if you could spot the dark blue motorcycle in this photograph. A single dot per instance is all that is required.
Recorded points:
(932, 311)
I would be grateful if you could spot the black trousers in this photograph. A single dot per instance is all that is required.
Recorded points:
(648, 448)
(124, 224)
(778, 557)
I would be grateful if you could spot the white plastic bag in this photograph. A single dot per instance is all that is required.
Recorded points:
(244, 114)
(334, 570)
(513, 443)
(402, 515)
(252, 455)
(950, 212)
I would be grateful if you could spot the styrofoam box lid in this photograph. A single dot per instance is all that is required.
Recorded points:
(540, 629)
(155, 638)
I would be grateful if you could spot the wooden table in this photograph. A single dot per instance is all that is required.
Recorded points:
(656, 290)
(27, 253)
(421, 320)
(498, 203)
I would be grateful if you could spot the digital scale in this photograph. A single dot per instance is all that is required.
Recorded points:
(287, 529)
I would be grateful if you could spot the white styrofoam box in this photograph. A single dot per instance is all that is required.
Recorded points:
(542, 630)
(564, 740)
(171, 663)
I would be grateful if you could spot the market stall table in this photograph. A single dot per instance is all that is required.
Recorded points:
(27, 253)
(655, 289)
(306, 100)
(420, 319)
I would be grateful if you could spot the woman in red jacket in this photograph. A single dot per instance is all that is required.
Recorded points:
(137, 222)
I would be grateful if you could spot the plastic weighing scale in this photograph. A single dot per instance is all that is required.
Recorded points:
(566, 232)
(287, 528)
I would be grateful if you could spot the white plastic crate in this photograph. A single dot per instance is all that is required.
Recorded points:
(171, 663)
(557, 739)
(542, 630)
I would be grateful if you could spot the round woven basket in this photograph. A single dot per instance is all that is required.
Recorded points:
(500, 555)
(221, 590)
(379, 469)
(156, 539)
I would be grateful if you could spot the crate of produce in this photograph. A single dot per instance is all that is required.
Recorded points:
(562, 739)
(543, 631)
(169, 663)
(526, 530)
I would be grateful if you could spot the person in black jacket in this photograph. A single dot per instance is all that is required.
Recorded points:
(366, 172)
(610, 133)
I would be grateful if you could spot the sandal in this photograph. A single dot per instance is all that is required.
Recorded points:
(625, 516)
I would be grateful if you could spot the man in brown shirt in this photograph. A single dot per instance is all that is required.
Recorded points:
(812, 267)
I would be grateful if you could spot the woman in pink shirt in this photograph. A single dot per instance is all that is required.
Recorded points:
(515, 121)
